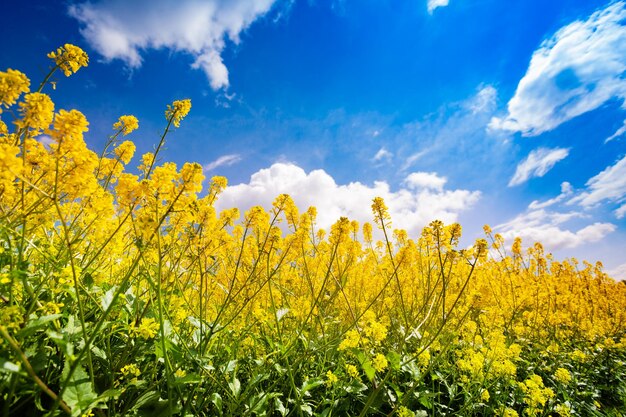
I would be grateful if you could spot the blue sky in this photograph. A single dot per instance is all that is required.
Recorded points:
(506, 113)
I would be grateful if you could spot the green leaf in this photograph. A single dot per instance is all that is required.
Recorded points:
(33, 325)
(79, 394)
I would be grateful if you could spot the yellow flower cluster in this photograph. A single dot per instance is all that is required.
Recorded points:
(12, 84)
(177, 111)
(37, 111)
(147, 329)
(69, 58)
(126, 124)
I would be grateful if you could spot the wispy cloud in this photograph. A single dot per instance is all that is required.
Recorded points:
(566, 191)
(382, 154)
(433, 4)
(225, 160)
(619, 132)
(577, 70)
(411, 208)
(609, 184)
(120, 29)
(537, 164)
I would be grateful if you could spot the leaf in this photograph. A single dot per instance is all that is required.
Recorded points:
(309, 384)
(79, 394)
(280, 407)
(216, 399)
(33, 325)
(235, 387)
(107, 298)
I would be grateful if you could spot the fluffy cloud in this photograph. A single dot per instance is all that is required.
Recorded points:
(120, 29)
(433, 4)
(548, 228)
(411, 208)
(609, 185)
(382, 154)
(577, 70)
(537, 164)
(225, 160)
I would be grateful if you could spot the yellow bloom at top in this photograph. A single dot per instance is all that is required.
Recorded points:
(125, 151)
(126, 124)
(380, 362)
(71, 124)
(331, 379)
(177, 111)
(12, 84)
(37, 111)
(70, 58)
(147, 329)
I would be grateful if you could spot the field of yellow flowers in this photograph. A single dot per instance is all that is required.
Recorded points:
(124, 293)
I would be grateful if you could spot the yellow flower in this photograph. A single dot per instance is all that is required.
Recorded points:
(508, 412)
(147, 329)
(130, 370)
(36, 110)
(350, 341)
(177, 111)
(125, 151)
(352, 371)
(126, 124)
(69, 58)
(563, 410)
(484, 396)
(563, 376)
(331, 379)
(12, 84)
(70, 124)
(380, 362)
(404, 412)
(180, 373)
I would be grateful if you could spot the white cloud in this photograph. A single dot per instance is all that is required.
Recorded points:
(431, 180)
(547, 228)
(225, 160)
(433, 4)
(410, 208)
(484, 100)
(577, 70)
(618, 273)
(610, 185)
(382, 154)
(566, 191)
(619, 132)
(120, 29)
(620, 212)
(537, 164)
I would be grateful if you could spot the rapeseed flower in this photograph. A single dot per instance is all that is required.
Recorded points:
(177, 111)
(126, 124)
(380, 363)
(37, 111)
(147, 329)
(70, 58)
(13, 83)
(331, 379)
(563, 376)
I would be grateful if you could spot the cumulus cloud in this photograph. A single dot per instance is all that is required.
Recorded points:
(609, 184)
(537, 164)
(548, 228)
(120, 29)
(225, 160)
(433, 4)
(411, 208)
(431, 180)
(577, 70)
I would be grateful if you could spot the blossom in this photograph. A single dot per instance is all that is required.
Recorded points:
(69, 58)
(147, 329)
(125, 151)
(37, 111)
(12, 84)
(126, 124)
(331, 379)
(177, 111)
(563, 376)
(380, 362)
